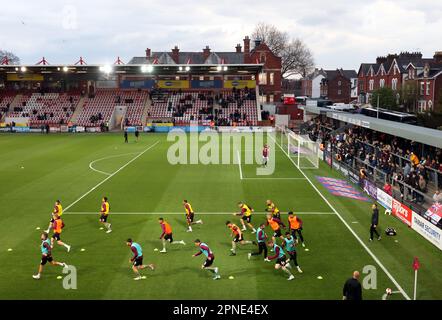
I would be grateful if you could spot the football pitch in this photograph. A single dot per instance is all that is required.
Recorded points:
(141, 184)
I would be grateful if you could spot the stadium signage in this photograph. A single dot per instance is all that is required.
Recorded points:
(174, 84)
(384, 199)
(427, 230)
(371, 189)
(239, 84)
(402, 212)
(206, 84)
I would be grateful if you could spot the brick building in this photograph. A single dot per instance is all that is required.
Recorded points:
(395, 70)
(269, 80)
(338, 85)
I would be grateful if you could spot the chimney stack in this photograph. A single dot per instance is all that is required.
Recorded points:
(148, 53)
(438, 57)
(247, 44)
(206, 52)
(176, 54)
(238, 48)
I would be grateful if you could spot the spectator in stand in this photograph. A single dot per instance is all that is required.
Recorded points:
(414, 159)
(407, 169)
(437, 197)
(422, 187)
(387, 189)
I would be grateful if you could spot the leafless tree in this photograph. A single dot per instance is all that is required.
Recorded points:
(297, 59)
(12, 58)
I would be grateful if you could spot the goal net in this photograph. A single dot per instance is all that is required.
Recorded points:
(303, 151)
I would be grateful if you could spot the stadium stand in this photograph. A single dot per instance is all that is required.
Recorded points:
(5, 102)
(413, 171)
(46, 108)
(98, 108)
(225, 107)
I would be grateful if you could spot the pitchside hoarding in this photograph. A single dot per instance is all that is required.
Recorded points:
(427, 230)
(402, 212)
(384, 199)
(370, 189)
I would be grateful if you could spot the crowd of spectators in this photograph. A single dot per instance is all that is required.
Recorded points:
(405, 163)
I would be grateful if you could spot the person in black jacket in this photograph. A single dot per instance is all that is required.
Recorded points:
(125, 136)
(352, 288)
(374, 222)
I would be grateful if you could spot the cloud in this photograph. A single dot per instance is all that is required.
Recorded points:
(340, 33)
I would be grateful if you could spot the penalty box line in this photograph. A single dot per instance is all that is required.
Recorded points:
(374, 257)
(111, 175)
(241, 175)
(182, 213)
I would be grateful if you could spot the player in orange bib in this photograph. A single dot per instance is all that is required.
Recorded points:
(276, 225)
(295, 224)
(190, 215)
(237, 237)
(58, 226)
(167, 234)
(58, 210)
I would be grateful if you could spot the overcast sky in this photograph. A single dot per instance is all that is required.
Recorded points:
(340, 33)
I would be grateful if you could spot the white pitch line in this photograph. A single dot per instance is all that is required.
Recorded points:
(375, 258)
(110, 176)
(108, 157)
(239, 164)
(276, 178)
(182, 213)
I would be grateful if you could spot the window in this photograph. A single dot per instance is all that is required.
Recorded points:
(263, 78)
(430, 105)
(272, 79)
(421, 88)
(339, 82)
(271, 98)
(371, 85)
(339, 92)
(427, 89)
(394, 83)
(381, 83)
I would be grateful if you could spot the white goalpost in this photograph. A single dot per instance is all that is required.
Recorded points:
(303, 151)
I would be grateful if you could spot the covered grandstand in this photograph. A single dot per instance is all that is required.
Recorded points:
(113, 97)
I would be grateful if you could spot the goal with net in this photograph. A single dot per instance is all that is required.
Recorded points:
(303, 151)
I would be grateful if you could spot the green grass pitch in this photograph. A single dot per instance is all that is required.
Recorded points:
(35, 170)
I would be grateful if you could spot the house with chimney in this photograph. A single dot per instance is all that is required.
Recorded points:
(395, 70)
(338, 85)
(269, 80)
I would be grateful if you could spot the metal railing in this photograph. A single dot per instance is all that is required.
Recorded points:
(435, 176)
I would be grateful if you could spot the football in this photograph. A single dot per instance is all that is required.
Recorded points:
(388, 291)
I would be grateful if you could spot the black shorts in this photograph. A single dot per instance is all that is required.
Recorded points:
(247, 219)
(208, 262)
(190, 216)
(292, 255)
(45, 259)
(277, 233)
(238, 238)
(103, 217)
(56, 236)
(281, 261)
(52, 220)
(168, 237)
(138, 261)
